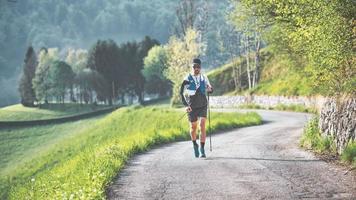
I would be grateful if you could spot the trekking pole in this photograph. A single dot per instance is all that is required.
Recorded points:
(182, 116)
(211, 147)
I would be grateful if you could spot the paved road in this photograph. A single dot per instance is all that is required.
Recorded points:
(260, 162)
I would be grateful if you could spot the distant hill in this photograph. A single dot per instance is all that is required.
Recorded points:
(79, 24)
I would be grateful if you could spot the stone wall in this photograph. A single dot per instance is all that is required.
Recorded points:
(265, 101)
(338, 119)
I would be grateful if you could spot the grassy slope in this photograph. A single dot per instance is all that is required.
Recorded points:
(19, 112)
(222, 78)
(18, 145)
(84, 165)
(279, 76)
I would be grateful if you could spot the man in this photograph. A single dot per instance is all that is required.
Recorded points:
(195, 85)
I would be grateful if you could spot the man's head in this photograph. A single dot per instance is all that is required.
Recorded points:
(196, 65)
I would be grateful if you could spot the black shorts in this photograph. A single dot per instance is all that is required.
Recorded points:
(197, 112)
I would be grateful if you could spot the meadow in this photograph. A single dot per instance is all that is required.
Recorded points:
(19, 112)
(77, 160)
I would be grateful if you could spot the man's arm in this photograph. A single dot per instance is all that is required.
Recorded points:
(208, 86)
(181, 92)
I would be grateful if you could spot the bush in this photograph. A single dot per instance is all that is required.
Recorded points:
(312, 139)
(349, 154)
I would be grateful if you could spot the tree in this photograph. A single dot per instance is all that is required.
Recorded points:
(28, 96)
(232, 46)
(155, 63)
(41, 82)
(250, 29)
(88, 81)
(104, 58)
(129, 62)
(143, 48)
(192, 14)
(181, 52)
(318, 32)
(61, 78)
(77, 59)
(132, 55)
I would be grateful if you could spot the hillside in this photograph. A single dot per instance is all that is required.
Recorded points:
(278, 76)
(79, 24)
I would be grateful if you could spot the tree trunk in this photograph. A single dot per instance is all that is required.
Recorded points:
(247, 52)
(235, 77)
(240, 76)
(257, 58)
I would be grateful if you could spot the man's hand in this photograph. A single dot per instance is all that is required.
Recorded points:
(188, 109)
(210, 89)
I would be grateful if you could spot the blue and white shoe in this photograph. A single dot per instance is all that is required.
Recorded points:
(196, 151)
(202, 153)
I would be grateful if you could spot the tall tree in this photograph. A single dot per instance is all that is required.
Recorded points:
(318, 32)
(77, 59)
(104, 58)
(41, 82)
(180, 55)
(61, 77)
(144, 46)
(192, 14)
(250, 27)
(28, 96)
(130, 61)
(155, 63)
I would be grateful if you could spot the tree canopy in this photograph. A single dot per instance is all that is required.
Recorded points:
(319, 34)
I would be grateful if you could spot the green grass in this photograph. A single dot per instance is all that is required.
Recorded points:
(282, 76)
(21, 146)
(82, 165)
(221, 78)
(312, 139)
(282, 107)
(19, 112)
(349, 154)
(279, 76)
(295, 108)
(251, 106)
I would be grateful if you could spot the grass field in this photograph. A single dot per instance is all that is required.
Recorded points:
(19, 112)
(78, 160)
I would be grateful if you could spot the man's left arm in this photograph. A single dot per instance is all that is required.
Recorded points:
(208, 85)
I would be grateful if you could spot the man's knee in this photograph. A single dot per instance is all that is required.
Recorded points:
(202, 122)
(193, 126)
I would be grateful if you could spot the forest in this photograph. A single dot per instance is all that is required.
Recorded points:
(78, 25)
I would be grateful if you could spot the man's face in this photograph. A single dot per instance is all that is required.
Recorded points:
(196, 68)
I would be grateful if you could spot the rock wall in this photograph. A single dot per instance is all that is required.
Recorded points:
(338, 119)
(265, 101)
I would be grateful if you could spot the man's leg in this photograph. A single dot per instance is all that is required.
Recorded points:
(202, 129)
(193, 130)
(202, 136)
(193, 135)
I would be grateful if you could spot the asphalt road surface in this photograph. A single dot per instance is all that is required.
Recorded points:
(259, 162)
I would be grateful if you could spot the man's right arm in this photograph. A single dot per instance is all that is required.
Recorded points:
(181, 92)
